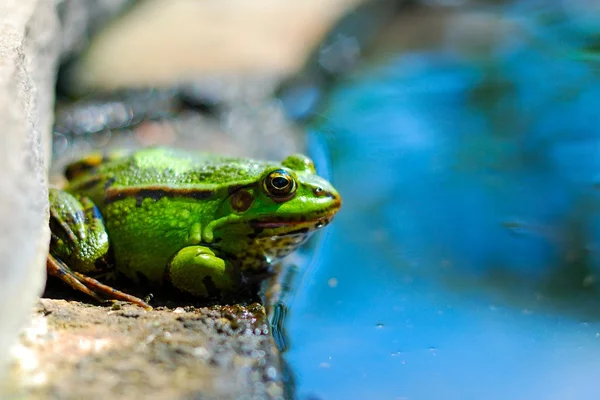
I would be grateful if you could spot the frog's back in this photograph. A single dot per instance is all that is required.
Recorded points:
(163, 167)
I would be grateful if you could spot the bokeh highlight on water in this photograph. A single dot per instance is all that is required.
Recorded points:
(464, 262)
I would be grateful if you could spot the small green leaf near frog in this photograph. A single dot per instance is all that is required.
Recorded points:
(199, 222)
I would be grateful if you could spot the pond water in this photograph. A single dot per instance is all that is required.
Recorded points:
(464, 261)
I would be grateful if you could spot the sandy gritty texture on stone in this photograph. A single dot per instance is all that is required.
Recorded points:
(74, 350)
(28, 55)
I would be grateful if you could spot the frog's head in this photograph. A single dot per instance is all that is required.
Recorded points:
(286, 198)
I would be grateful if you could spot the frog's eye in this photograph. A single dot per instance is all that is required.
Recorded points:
(280, 185)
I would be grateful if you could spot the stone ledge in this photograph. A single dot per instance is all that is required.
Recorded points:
(74, 350)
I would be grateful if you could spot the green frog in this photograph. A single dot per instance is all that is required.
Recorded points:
(199, 222)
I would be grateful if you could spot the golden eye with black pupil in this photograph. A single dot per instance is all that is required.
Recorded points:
(280, 185)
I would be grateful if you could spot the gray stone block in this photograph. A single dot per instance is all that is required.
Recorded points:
(28, 54)
(34, 35)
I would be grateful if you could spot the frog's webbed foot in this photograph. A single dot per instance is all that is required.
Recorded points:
(197, 270)
(87, 285)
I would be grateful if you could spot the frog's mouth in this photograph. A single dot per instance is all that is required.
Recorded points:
(291, 226)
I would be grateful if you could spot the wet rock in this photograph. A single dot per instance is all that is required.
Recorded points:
(218, 352)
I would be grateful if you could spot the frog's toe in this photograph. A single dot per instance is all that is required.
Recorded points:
(57, 268)
(87, 285)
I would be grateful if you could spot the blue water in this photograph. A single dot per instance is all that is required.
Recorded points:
(464, 261)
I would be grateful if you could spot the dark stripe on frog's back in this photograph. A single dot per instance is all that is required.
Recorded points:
(155, 193)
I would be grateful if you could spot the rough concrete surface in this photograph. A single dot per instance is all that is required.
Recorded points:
(74, 350)
(28, 53)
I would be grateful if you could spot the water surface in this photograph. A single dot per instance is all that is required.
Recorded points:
(463, 264)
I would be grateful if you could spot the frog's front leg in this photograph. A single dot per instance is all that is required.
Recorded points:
(79, 243)
(199, 271)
